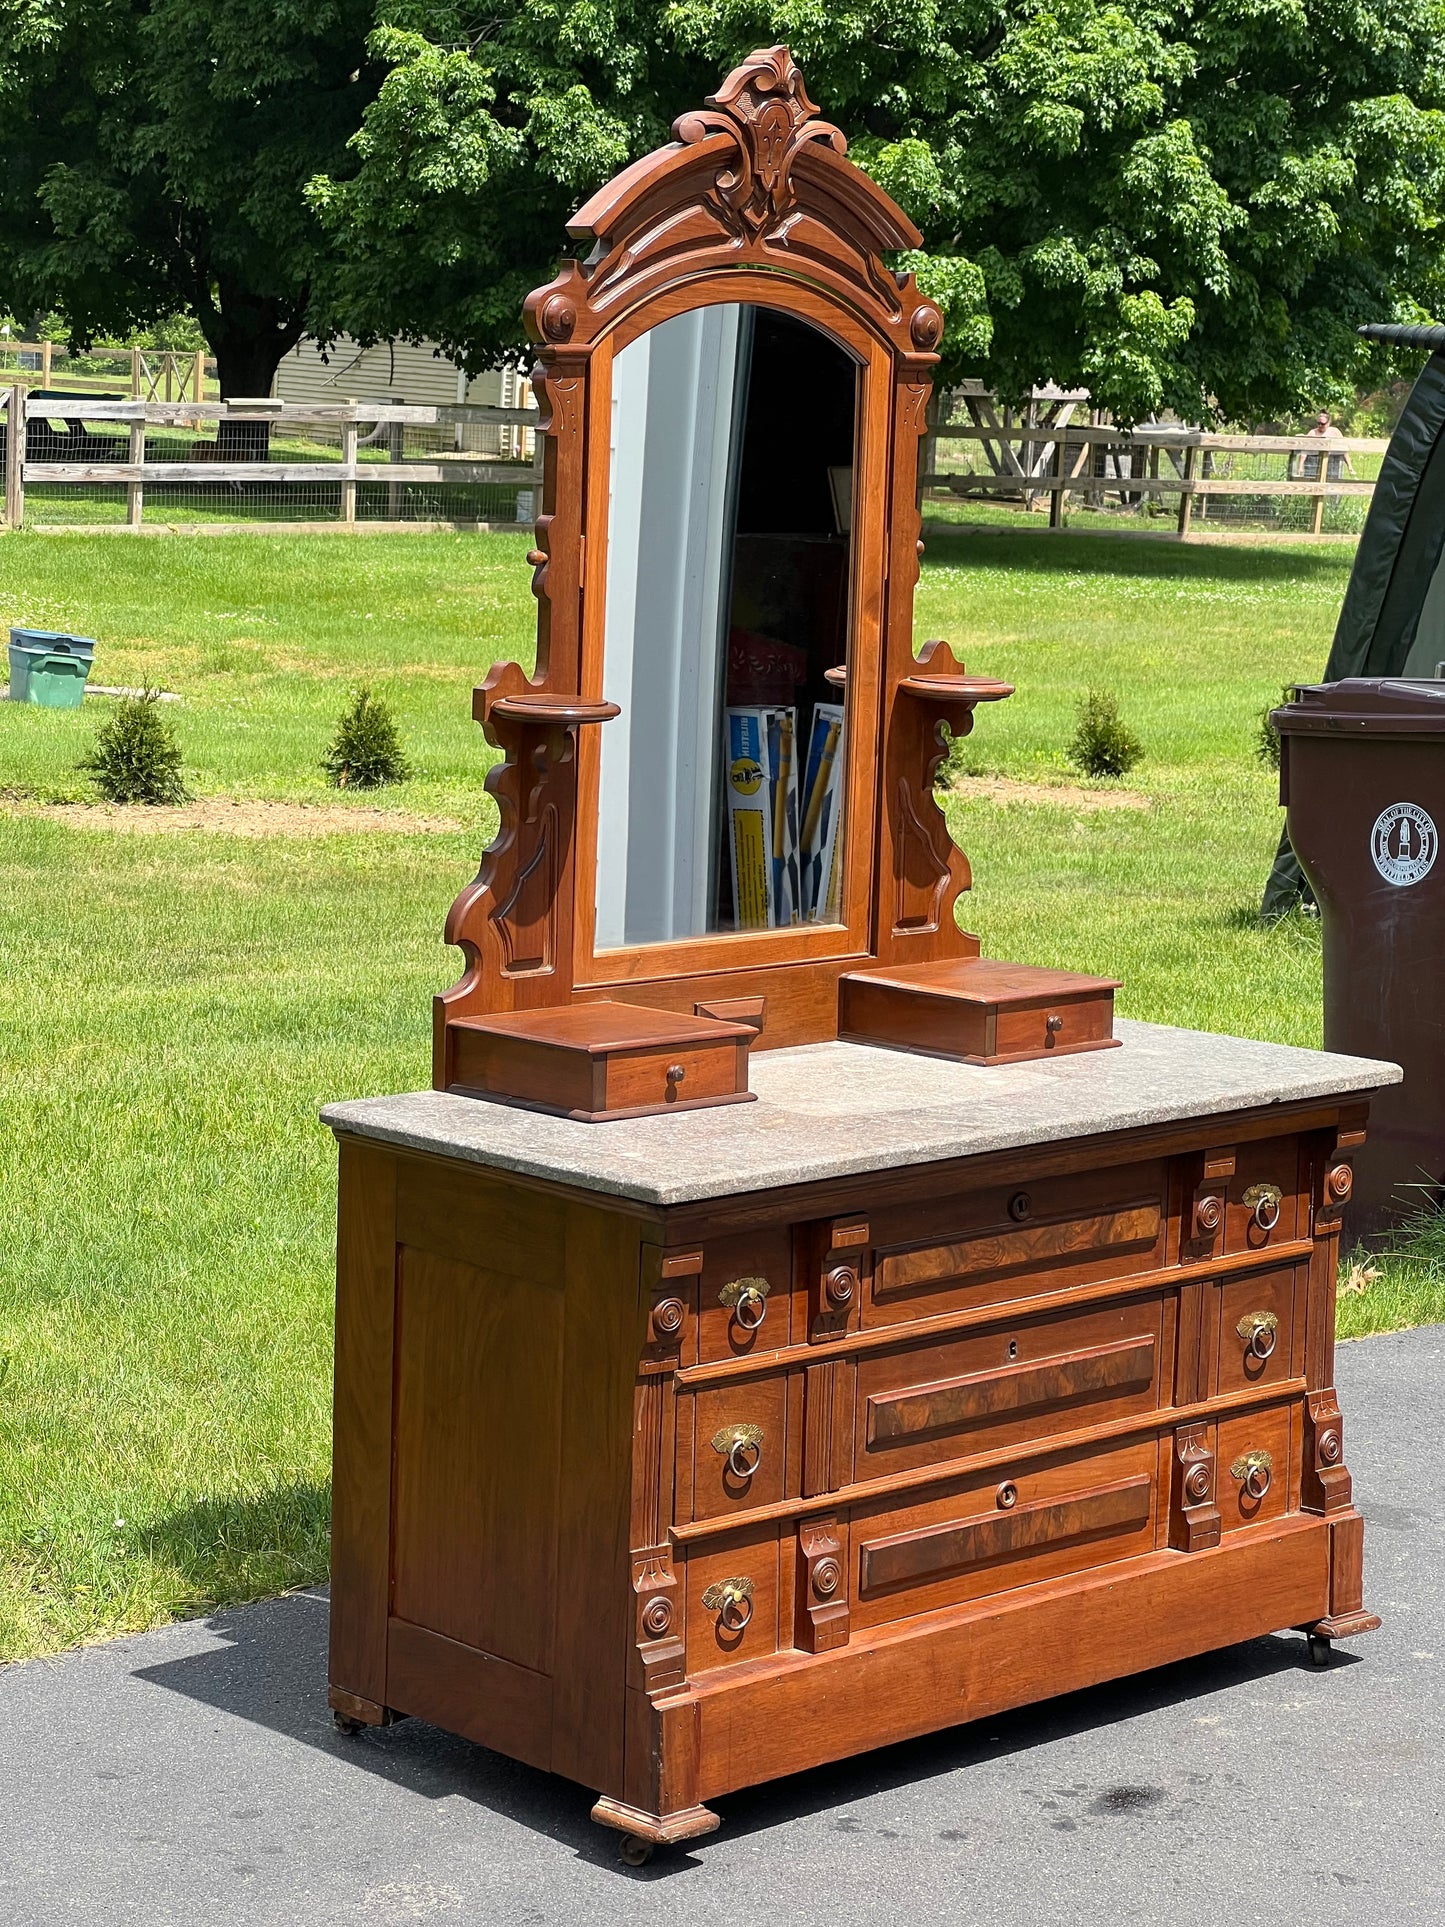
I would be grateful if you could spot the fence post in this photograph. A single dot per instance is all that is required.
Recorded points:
(1186, 496)
(135, 491)
(1056, 496)
(1317, 516)
(348, 467)
(199, 375)
(15, 458)
(135, 374)
(394, 453)
(46, 348)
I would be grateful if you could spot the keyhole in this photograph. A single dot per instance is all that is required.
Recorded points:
(1013, 1348)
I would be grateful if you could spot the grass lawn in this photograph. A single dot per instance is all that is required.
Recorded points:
(176, 1006)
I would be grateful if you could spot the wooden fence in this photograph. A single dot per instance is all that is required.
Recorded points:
(153, 374)
(1051, 459)
(264, 464)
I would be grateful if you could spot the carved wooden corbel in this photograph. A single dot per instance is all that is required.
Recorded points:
(1193, 1514)
(822, 1586)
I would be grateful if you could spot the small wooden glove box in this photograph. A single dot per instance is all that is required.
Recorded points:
(978, 1010)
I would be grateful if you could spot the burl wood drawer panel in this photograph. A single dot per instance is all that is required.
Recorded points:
(732, 1599)
(744, 1294)
(992, 1531)
(1256, 1460)
(1263, 1205)
(732, 1446)
(1257, 1327)
(1016, 1241)
(1009, 1385)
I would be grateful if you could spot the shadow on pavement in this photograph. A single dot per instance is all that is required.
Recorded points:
(272, 1672)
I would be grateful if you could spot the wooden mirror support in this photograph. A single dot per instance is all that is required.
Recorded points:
(753, 201)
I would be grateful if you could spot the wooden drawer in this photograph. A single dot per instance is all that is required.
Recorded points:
(725, 1580)
(1008, 1385)
(738, 1454)
(1256, 1316)
(1273, 1435)
(990, 1532)
(1016, 1241)
(1271, 1165)
(744, 1294)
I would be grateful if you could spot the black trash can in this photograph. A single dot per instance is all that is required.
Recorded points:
(1362, 773)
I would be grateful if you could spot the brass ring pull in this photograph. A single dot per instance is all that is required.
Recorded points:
(742, 1447)
(1263, 1201)
(748, 1299)
(1255, 1472)
(732, 1601)
(1260, 1332)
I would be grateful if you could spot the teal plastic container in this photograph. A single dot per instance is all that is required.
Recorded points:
(49, 669)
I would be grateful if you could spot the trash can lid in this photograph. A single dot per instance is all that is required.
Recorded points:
(1365, 706)
(36, 638)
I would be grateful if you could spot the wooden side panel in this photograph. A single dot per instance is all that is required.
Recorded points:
(361, 1478)
(478, 1438)
(505, 1707)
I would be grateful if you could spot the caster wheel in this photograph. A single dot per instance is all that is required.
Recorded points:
(1319, 1649)
(350, 1727)
(635, 1851)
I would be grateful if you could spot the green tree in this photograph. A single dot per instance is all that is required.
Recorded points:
(1176, 203)
(153, 156)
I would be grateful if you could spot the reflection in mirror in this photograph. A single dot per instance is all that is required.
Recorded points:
(730, 513)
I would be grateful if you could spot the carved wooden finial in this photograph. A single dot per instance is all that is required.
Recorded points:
(764, 106)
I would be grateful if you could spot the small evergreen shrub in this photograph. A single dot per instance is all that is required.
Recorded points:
(366, 752)
(1266, 741)
(136, 758)
(1102, 743)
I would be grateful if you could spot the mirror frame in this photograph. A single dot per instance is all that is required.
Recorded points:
(754, 200)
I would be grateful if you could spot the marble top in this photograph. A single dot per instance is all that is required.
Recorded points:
(835, 1110)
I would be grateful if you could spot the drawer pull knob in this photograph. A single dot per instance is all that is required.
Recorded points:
(675, 1075)
(748, 1298)
(1263, 1200)
(1340, 1181)
(667, 1316)
(742, 1447)
(1208, 1216)
(1007, 1496)
(1053, 1025)
(1255, 1472)
(732, 1601)
(1260, 1332)
(839, 1286)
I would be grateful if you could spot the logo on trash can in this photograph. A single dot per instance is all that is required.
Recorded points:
(1403, 843)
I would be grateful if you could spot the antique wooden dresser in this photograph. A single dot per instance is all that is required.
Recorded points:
(783, 1331)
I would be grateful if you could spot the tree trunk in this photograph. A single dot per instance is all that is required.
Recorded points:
(249, 334)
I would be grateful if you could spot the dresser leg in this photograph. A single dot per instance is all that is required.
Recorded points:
(351, 1712)
(1347, 1615)
(661, 1829)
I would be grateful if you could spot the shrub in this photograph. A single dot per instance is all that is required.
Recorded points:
(1266, 741)
(136, 758)
(1102, 743)
(366, 752)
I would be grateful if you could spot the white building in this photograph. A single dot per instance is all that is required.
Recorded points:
(404, 371)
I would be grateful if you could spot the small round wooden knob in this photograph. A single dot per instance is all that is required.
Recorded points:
(535, 558)
(1330, 1447)
(1196, 1484)
(926, 328)
(826, 1575)
(1007, 1496)
(656, 1618)
(667, 1316)
(1209, 1214)
(1341, 1181)
(839, 1286)
(1053, 1025)
(1020, 1206)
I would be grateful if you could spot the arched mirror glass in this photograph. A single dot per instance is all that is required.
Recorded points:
(728, 575)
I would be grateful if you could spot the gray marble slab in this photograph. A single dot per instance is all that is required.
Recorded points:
(835, 1110)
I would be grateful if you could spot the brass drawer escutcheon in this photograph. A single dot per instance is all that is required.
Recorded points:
(747, 1298)
(742, 1447)
(1255, 1472)
(1260, 1332)
(732, 1601)
(1264, 1200)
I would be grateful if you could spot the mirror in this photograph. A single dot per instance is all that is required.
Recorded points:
(728, 573)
